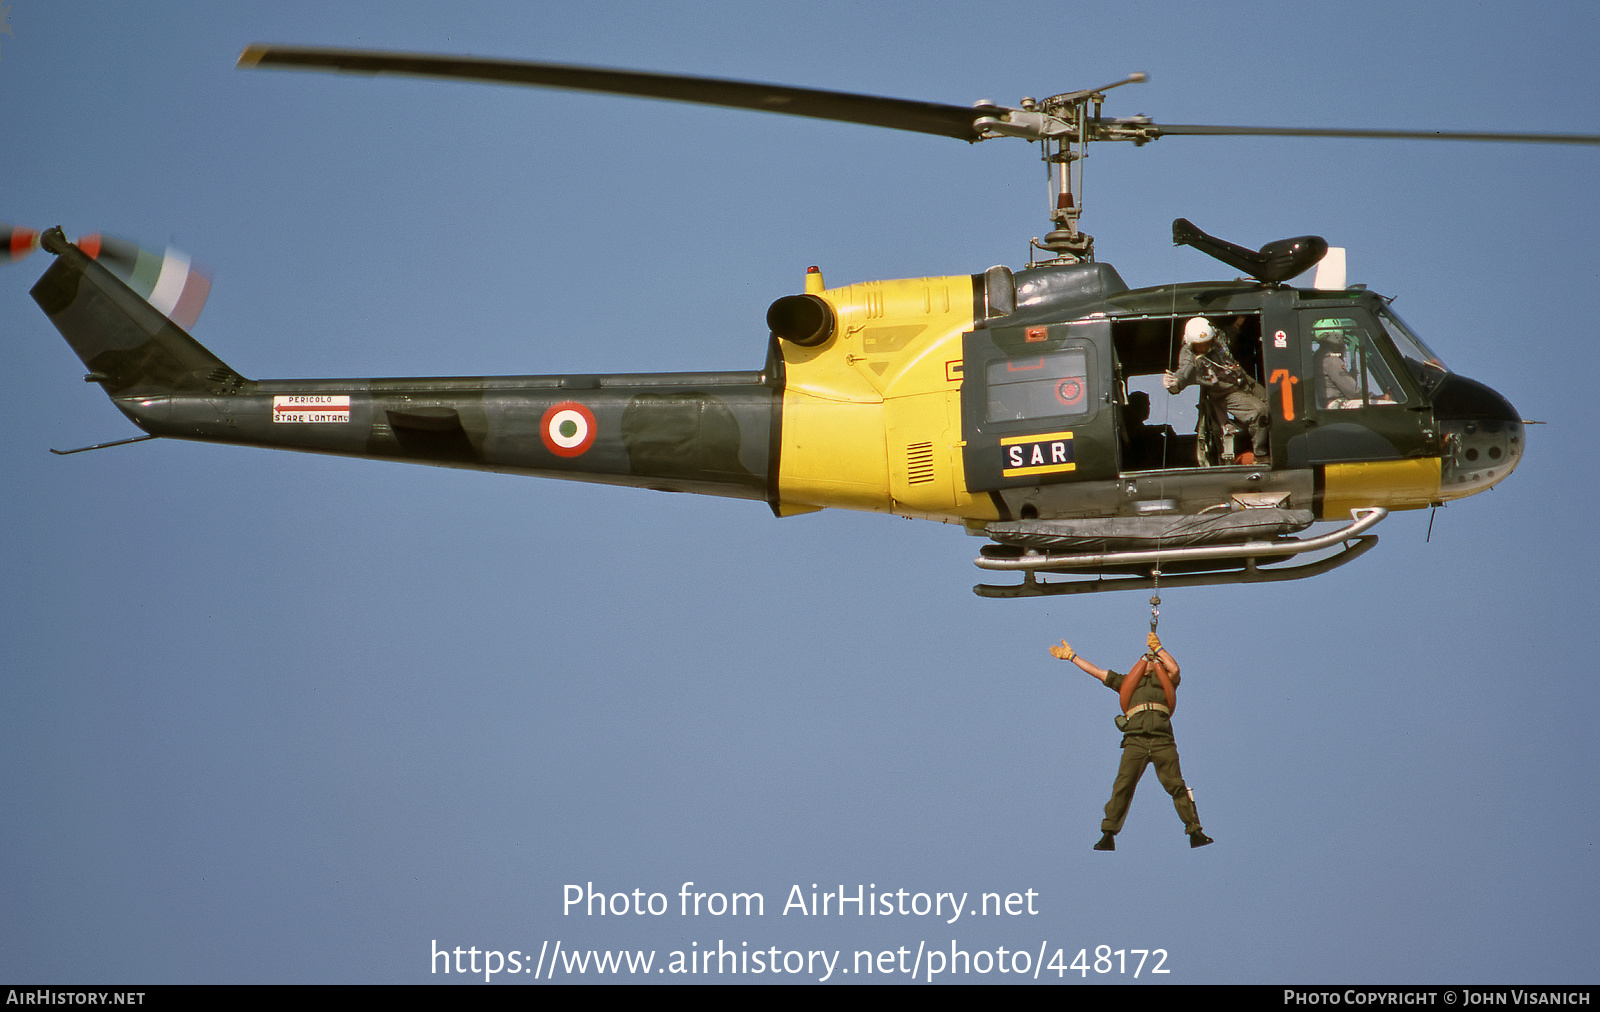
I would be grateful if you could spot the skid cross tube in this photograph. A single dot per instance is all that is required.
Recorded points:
(1361, 520)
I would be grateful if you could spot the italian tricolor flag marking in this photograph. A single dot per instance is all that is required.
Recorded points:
(567, 428)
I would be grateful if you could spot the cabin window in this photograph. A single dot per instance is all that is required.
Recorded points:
(1050, 385)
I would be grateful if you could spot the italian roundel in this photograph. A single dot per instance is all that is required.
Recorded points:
(567, 429)
(1070, 391)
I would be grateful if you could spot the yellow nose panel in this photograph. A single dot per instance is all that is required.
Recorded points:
(1394, 484)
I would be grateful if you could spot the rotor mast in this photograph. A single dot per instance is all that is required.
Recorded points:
(1062, 155)
(1062, 126)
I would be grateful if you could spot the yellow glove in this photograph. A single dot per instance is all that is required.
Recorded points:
(1063, 652)
(1153, 642)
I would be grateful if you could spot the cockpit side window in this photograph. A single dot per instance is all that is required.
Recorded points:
(1347, 368)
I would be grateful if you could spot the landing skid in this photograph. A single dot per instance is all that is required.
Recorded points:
(1250, 573)
(1218, 564)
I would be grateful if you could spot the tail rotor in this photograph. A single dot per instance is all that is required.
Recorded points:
(17, 242)
(167, 280)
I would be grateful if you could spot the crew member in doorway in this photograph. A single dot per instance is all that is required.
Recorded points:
(1223, 383)
(1149, 694)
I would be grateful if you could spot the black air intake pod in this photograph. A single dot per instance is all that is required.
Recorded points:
(1273, 263)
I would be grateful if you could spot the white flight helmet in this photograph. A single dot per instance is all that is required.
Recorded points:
(1198, 331)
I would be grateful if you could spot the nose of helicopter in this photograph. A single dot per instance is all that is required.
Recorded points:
(1481, 436)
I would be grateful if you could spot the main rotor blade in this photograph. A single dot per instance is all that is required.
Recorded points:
(894, 113)
(1158, 130)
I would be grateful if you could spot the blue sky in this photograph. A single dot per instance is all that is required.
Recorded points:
(272, 717)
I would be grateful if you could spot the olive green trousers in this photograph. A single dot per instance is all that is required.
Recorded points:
(1139, 751)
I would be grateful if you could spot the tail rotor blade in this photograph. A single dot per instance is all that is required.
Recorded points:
(17, 242)
(168, 281)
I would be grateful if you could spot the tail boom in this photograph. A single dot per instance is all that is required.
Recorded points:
(684, 432)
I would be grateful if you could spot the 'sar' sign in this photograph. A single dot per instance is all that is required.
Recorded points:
(1045, 453)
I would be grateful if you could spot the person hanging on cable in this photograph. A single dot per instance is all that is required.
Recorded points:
(1149, 694)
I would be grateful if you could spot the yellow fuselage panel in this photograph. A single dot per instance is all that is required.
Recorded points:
(871, 418)
(833, 453)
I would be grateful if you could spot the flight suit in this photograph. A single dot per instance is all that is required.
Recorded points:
(1147, 739)
(1223, 379)
(1338, 389)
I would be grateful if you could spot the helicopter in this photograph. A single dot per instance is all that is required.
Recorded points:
(1005, 400)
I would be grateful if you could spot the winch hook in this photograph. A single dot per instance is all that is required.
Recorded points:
(1155, 600)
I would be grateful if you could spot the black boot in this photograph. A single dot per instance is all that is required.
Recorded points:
(1109, 842)
(1198, 839)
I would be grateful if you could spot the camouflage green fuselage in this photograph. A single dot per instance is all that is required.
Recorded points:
(710, 433)
(680, 432)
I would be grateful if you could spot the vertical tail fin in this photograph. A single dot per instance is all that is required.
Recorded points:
(129, 346)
